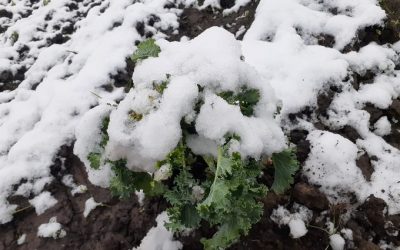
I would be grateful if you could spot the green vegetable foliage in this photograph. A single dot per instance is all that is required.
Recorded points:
(125, 182)
(146, 49)
(94, 159)
(246, 99)
(232, 203)
(223, 192)
(286, 165)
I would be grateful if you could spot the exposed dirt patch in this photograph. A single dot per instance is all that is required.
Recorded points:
(194, 21)
(117, 225)
(389, 32)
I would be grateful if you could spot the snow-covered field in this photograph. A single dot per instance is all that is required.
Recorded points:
(60, 62)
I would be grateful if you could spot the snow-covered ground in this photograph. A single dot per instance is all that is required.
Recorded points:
(71, 50)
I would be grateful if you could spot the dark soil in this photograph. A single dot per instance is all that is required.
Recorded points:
(193, 21)
(117, 225)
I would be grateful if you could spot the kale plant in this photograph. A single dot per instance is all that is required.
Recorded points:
(223, 192)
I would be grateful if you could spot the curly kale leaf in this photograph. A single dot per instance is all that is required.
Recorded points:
(246, 99)
(232, 203)
(286, 165)
(94, 159)
(146, 49)
(125, 182)
(183, 213)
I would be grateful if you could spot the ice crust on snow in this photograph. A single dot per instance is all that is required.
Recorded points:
(158, 237)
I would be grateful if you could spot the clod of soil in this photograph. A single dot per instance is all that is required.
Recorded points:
(310, 196)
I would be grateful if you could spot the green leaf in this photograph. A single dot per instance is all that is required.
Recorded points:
(286, 165)
(125, 181)
(94, 159)
(224, 237)
(246, 99)
(219, 191)
(183, 213)
(146, 49)
(232, 203)
(163, 85)
(104, 134)
(14, 37)
(190, 216)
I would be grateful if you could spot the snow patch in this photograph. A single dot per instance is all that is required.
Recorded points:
(42, 202)
(52, 229)
(90, 205)
(296, 220)
(336, 242)
(159, 238)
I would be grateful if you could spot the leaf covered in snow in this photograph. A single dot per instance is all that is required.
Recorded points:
(146, 49)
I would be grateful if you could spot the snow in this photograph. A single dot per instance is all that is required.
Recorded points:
(52, 229)
(61, 100)
(35, 123)
(297, 228)
(382, 126)
(163, 173)
(296, 220)
(140, 196)
(159, 238)
(42, 202)
(323, 167)
(347, 233)
(90, 205)
(313, 18)
(282, 46)
(213, 61)
(68, 181)
(336, 242)
(21, 239)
